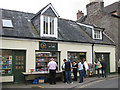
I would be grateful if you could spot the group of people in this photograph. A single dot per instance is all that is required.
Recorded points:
(101, 65)
(69, 67)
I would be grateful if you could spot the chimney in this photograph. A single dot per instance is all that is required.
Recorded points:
(94, 7)
(79, 14)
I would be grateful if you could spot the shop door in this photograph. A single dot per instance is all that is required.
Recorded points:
(106, 58)
(19, 58)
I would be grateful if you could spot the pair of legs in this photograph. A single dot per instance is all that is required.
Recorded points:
(64, 76)
(85, 75)
(98, 72)
(52, 76)
(81, 75)
(104, 73)
(68, 75)
(75, 75)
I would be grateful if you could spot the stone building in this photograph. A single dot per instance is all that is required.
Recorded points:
(106, 17)
(30, 40)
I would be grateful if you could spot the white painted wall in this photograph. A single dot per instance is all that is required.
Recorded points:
(29, 46)
(65, 47)
(108, 49)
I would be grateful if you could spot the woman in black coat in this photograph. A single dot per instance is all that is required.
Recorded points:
(75, 68)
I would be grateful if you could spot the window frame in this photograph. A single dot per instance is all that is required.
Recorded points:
(54, 28)
(7, 23)
(98, 34)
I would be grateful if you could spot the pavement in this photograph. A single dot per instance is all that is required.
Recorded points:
(59, 84)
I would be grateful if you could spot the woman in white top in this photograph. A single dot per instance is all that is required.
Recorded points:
(80, 66)
(98, 64)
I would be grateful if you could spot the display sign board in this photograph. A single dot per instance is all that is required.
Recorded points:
(48, 46)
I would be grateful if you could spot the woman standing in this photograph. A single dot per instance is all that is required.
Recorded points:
(75, 67)
(98, 65)
(85, 66)
(80, 66)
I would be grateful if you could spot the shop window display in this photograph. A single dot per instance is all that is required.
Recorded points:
(6, 62)
(42, 59)
(76, 56)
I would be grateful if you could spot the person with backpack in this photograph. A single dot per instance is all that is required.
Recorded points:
(67, 66)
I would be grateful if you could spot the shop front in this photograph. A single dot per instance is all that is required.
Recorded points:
(12, 64)
(47, 50)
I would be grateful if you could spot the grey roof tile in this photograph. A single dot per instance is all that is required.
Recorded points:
(67, 30)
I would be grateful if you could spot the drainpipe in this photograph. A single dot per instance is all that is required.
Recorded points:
(92, 53)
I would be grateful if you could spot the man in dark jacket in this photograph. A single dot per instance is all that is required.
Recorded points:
(104, 66)
(67, 66)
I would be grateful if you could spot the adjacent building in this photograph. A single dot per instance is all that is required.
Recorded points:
(106, 17)
(30, 40)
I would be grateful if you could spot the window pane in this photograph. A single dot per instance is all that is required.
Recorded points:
(97, 34)
(45, 25)
(51, 25)
(7, 23)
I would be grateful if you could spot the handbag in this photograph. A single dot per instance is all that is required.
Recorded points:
(100, 66)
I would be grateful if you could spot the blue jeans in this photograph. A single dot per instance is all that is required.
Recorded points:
(104, 73)
(81, 75)
(84, 72)
(68, 75)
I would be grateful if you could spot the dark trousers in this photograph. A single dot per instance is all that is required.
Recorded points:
(84, 72)
(75, 75)
(64, 76)
(52, 76)
(68, 76)
(104, 73)
(98, 72)
(81, 75)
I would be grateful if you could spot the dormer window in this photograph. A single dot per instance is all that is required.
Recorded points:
(97, 34)
(48, 22)
(49, 26)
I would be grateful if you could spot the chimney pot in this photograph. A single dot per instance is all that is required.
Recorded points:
(79, 14)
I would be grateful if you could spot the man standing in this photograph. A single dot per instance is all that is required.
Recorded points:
(67, 66)
(52, 69)
(85, 68)
(104, 65)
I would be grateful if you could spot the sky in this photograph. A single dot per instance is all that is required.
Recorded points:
(66, 9)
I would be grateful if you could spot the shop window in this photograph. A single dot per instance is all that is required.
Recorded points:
(76, 56)
(42, 59)
(6, 62)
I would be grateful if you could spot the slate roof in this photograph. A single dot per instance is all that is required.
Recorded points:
(68, 31)
(111, 8)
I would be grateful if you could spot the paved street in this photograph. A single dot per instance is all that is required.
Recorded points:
(94, 82)
(103, 83)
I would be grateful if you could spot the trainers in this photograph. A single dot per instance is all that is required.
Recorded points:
(66, 83)
(71, 83)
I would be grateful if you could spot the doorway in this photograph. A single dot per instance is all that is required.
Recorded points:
(104, 56)
(19, 63)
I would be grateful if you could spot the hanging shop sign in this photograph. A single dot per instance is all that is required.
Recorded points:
(48, 46)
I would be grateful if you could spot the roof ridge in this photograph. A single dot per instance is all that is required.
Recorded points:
(16, 11)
